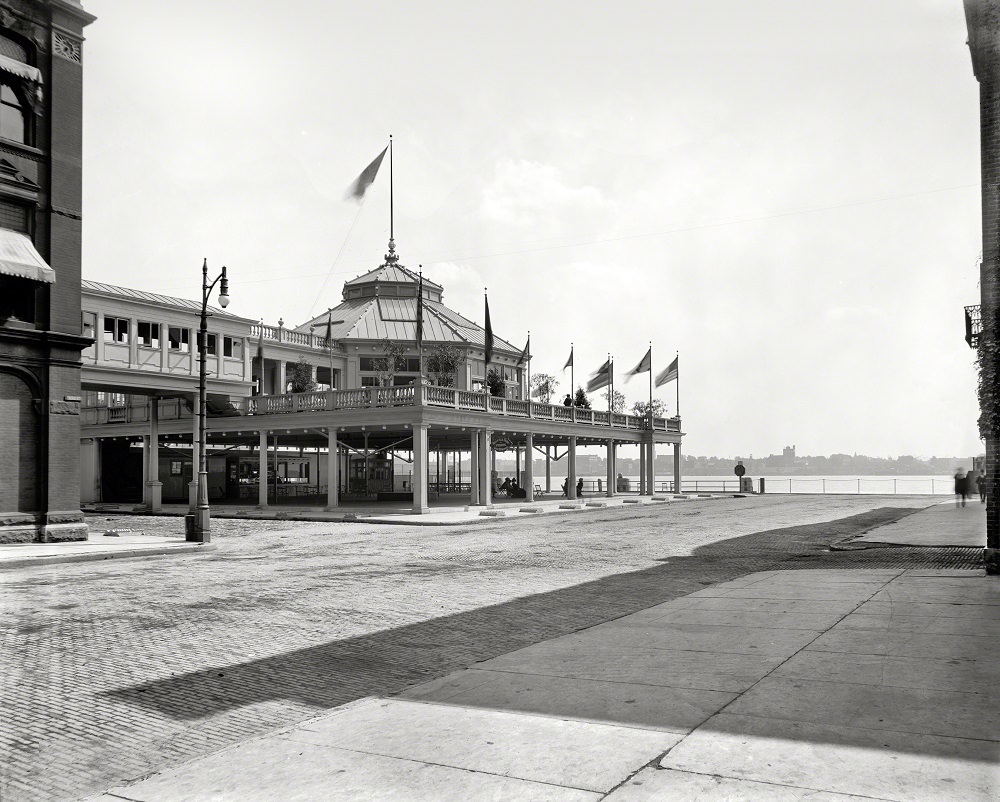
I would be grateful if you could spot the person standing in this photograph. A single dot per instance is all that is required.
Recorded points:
(961, 487)
(981, 486)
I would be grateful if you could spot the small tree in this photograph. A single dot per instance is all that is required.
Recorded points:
(641, 408)
(543, 387)
(444, 362)
(581, 399)
(495, 384)
(617, 402)
(393, 361)
(300, 377)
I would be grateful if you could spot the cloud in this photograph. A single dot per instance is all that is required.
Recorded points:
(521, 191)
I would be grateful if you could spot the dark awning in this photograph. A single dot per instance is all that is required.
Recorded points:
(18, 257)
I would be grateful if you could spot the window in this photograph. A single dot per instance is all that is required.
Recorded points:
(13, 120)
(14, 216)
(179, 339)
(116, 330)
(478, 367)
(148, 334)
(369, 381)
(232, 347)
(117, 399)
(211, 344)
(403, 381)
(17, 300)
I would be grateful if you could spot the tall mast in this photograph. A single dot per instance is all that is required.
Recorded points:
(390, 190)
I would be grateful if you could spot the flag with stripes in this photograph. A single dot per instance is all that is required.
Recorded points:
(667, 375)
(600, 378)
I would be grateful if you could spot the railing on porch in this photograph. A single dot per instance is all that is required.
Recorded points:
(426, 395)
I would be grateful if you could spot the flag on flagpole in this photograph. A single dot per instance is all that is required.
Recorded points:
(524, 354)
(645, 364)
(420, 312)
(669, 374)
(569, 362)
(360, 186)
(329, 328)
(488, 346)
(600, 378)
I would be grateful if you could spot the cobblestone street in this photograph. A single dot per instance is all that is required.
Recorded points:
(115, 669)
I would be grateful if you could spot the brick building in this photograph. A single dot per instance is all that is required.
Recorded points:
(41, 88)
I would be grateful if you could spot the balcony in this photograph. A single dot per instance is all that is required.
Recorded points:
(973, 325)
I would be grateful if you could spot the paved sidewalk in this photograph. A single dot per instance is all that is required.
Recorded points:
(832, 684)
(109, 544)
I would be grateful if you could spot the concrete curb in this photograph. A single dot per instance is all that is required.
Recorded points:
(82, 557)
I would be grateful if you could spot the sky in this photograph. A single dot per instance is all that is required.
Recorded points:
(783, 194)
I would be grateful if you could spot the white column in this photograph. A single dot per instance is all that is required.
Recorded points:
(529, 469)
(485, 476)
(677, 467)
(195, 463)
(420, 468)
(282, 380)
(571, 469)
(332, 477)
(474, 468)
(642, 469)
(262, 470)
(154, 487)
(651, 468)
(612, 479)
(548, 471)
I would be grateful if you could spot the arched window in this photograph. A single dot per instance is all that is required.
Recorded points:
(13, 118)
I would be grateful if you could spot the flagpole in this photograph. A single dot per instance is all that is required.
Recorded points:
(650, 384)
(420, 321)
(329, 341)
(678, 388)
(572, 368)
(527, 381)
(390, 190)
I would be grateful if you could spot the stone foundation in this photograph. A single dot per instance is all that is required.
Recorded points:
(56, 527)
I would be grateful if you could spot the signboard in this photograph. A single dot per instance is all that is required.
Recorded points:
(739, 470)
(502, 444)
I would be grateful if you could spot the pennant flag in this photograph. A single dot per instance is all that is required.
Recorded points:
(569, 362)
(669, 374)
(329, 328)
(489, 334)
(600, 378)
(524, 354)
(360, 186)
(644, 366)
(420, 312)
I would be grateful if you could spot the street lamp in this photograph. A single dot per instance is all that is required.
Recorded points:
(199, 525)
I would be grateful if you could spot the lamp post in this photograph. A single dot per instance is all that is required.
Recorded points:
(199, 524)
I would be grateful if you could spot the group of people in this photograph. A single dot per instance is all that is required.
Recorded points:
(964, 482)
(579, 487)
(512, 489)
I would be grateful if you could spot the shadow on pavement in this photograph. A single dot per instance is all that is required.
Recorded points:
(387, 662)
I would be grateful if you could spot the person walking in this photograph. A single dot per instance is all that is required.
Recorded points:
(961, 487)
(981, 487)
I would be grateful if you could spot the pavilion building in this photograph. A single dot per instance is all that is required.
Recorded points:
(340, 441)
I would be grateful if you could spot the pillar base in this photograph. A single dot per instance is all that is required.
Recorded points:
(198, 526)
(154, 496)
(992, 559)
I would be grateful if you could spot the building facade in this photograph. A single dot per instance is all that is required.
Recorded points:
(41, 85)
